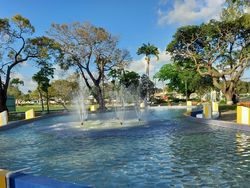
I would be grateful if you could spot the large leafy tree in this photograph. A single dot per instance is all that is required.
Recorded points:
(92, 51)
(17, 47)
(148, 50)
(219, 49)
(42, 77)
(63, 91)
(183, 80)
(234, 9)
(129, 79)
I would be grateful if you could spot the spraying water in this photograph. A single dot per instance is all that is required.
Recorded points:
(120, 104)
(137, 102)
(82, 101)
(126, 97)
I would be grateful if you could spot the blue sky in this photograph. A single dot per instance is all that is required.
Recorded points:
(134, 21)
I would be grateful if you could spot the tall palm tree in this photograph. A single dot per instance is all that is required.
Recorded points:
(149, 50)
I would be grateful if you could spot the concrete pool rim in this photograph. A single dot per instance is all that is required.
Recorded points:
(219, 123)
(20, 123)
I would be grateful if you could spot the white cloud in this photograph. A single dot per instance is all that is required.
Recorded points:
(29, 84)
(189, 11)
(139, 66)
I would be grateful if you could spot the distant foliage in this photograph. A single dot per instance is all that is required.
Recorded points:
(184, 80)
(147, 87)
(219, 49)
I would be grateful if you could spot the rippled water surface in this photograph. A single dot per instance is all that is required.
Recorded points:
(163, 151)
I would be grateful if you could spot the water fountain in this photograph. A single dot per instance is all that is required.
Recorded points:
(119, 105)
(137, 102)
(81, 101)
(123, 99)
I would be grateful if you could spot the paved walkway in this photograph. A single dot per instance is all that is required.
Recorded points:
(228, 116)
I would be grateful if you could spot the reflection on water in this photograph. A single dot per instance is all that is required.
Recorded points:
(243, 144)
(165, 151)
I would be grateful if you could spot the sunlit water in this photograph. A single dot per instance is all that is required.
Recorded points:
(163, 151)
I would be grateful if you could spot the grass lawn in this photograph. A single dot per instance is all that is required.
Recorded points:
(37, 107)
(19, 114)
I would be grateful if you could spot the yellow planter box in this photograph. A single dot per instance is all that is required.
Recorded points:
(189, 103)
(243, 115)
(215, 106)
(207, 111)
(3, 118)
(3, 183)
(30, 114)
(92, 108)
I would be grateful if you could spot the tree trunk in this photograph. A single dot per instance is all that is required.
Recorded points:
(3, 100)
(97, 93)
(64, 105)
(47, 99)
(41, 99)
(96, 89)
(229, 97)
(100, 99)
(228, 89)
(147, 68)
(188, 95)
(147, 72)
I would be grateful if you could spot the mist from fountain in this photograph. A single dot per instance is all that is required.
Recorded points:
(81, 101)
(122, 98)
(126, 97)
(137, 102)
(120, 104)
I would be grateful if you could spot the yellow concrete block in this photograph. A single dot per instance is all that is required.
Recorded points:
(243, 115)
(239, 114)
(3, 183)
(30, 114)
(3, 118)
(215, 106)
(207, 111)
(189, 103)
(248, 116)
(92, 108)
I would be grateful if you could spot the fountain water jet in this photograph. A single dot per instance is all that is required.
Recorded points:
(120, 104)
(82, 101)
(123, 99)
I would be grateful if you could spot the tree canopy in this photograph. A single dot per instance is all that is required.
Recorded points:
(183, 80)
(17, 46)
(42, 77)
(92, 50)
(148, 50)
(219, 49)
(63, 90)
(234, 9)
(129, 79)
